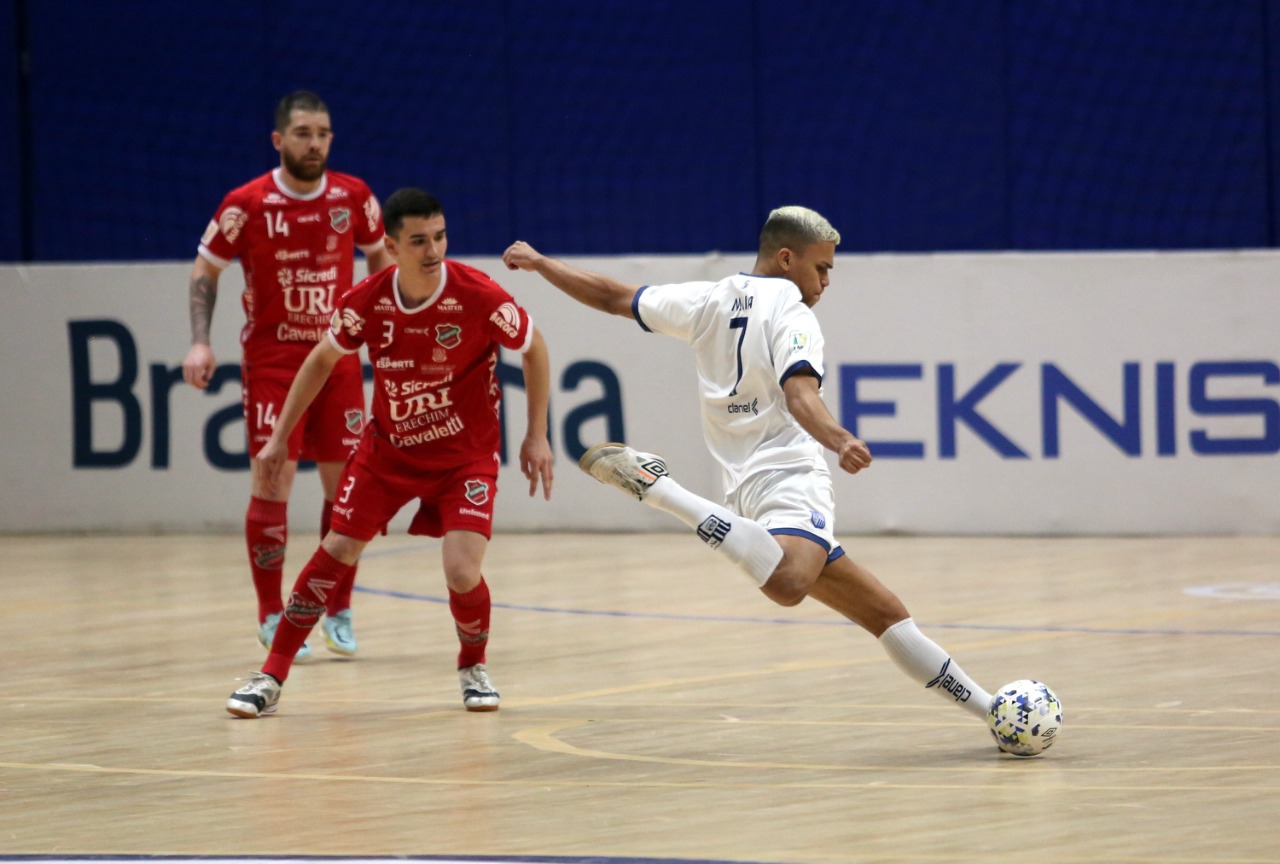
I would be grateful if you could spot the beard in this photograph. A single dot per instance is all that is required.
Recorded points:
(305, 171)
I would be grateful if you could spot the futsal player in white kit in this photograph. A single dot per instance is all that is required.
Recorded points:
(758, 350)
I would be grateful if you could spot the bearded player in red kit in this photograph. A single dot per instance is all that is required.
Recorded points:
(295, 231)
(432, 328)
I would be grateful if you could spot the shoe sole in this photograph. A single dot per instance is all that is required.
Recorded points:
(335, 648)
(480, 708)
(249, 713)
(593, 455)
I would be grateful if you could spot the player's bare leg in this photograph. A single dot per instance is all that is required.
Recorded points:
(798, 570)
(855, 593)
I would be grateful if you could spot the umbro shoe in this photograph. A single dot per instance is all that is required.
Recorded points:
(338, 635)
(267, 635)
(259, 695)
(477, 690)
(619, 465)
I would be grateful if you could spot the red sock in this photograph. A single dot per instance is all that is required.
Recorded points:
(266, 532)
(471, 619)
(316, 582)
(341, 598)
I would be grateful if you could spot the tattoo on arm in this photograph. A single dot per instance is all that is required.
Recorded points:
(203, 293)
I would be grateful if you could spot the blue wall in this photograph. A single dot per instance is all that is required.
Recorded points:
(11, 234)
(668, 126)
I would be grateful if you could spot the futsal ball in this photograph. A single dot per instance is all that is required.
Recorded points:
(1025, 717)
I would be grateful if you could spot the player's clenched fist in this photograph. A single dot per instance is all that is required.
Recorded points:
(521, 256)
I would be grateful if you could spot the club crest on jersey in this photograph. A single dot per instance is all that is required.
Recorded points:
(477, 492)
(354, 420)
(340, 219)
(449, 335)
(799, 340)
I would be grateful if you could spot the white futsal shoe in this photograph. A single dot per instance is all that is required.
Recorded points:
(260, 694)
(477, 690)
(339, 637)
(619, 465)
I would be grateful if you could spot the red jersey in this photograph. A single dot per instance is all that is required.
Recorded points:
(298, 255)
(435, 383)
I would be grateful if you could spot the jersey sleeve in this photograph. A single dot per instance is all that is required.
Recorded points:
(221, 242)
(797, 342)
(670, 309)
(508, 322)
(370, 230)
(512, 326)
(348, 325)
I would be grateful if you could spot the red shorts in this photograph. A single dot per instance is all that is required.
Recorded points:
(327, 432)
(376, 484)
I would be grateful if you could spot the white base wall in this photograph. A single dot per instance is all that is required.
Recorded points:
(1003, 394)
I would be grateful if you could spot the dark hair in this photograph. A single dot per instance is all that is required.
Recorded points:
(298, 100)
(407, 202)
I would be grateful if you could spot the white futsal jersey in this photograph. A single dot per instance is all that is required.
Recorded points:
(749, 334)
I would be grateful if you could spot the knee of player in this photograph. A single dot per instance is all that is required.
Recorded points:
(789, 585)
(343, 548)
(461, 579)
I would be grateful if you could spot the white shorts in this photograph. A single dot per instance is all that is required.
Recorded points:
(796, 501)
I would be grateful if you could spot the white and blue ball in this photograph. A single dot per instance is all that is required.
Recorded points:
(1025, 717)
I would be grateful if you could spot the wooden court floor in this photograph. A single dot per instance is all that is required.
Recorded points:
(655, 705)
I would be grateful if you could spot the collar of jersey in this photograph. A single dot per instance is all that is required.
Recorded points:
(285, 190)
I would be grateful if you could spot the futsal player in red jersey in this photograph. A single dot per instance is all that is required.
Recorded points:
(295, 230)
(432, 329)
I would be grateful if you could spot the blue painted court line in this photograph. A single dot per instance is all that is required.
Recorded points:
(792, 622)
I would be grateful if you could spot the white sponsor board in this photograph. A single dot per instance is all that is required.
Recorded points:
(1001, 394)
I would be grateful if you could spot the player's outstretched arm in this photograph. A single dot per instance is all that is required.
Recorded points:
(535, 450)
(202, 294)
(592, 289)
(806, 405)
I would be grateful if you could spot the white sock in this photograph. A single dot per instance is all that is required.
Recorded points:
(744, 542)
(925, 662)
